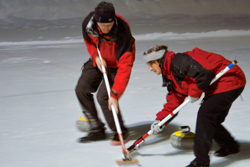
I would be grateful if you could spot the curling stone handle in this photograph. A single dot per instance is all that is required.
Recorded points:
(185, 127)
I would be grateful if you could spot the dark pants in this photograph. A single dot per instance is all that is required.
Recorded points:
(211, 114)
(88, 83)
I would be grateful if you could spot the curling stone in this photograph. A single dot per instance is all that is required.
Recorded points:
(82, 124)
(183, 139)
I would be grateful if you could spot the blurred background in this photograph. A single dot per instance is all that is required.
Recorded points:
(54, 19)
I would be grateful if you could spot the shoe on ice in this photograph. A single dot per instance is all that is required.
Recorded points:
(224, 151)
(116, 140)
(97, 136)
(194, 164)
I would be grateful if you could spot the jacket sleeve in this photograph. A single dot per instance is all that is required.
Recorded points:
(90, 44)
(125, 65)
(125, 55)
(173, 101)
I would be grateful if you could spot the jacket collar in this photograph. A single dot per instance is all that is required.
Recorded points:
(163, 60)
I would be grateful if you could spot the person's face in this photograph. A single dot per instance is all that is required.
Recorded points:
(154, 66)
(105, 27)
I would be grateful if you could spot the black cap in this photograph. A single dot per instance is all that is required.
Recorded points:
(105, 12)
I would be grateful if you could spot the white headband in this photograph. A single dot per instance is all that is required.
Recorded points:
(153, 56)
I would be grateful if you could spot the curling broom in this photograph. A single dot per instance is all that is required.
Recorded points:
(126, 160)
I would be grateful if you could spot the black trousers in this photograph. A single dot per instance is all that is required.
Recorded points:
(211, 114)
(90, 80)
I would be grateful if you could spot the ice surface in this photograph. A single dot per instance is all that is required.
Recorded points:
(41, 55)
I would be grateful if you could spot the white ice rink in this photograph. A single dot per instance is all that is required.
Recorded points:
(41, 55)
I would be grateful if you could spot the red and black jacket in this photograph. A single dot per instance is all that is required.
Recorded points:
(190, 73)
(117, 49)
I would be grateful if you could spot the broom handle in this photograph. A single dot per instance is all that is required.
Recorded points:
(117, 124)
